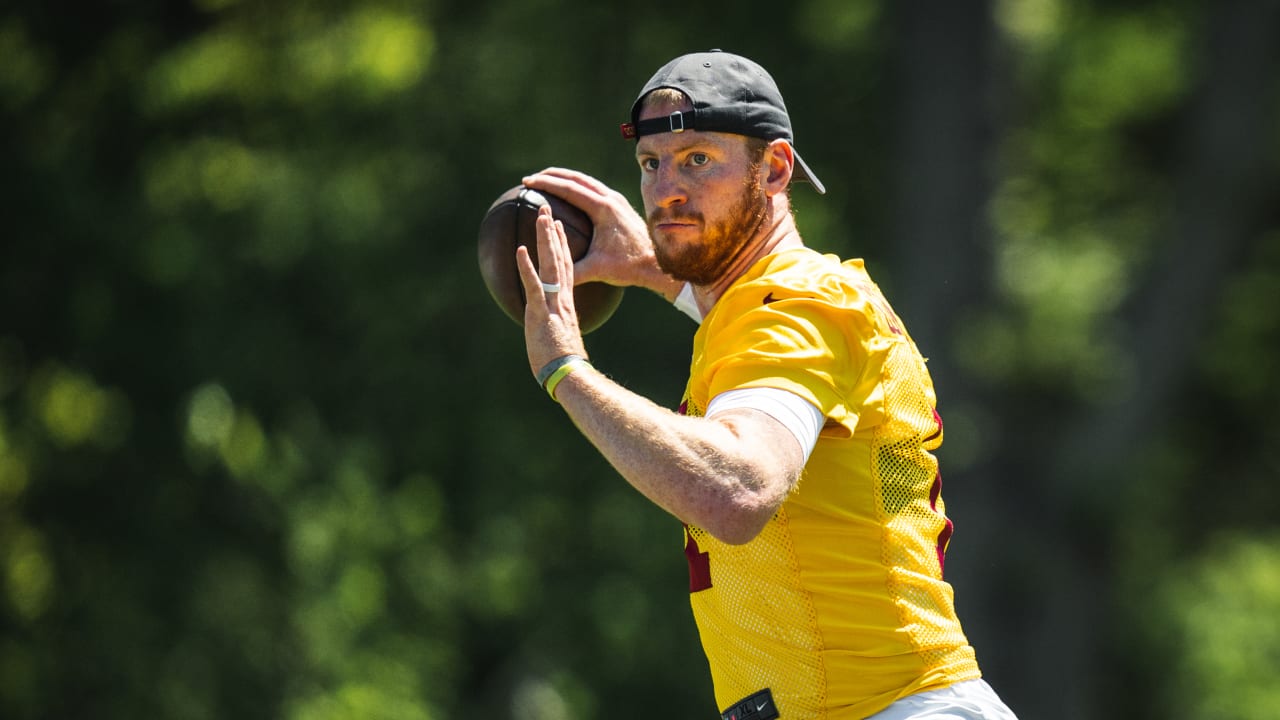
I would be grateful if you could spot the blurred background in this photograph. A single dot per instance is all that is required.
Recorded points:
(268, 449)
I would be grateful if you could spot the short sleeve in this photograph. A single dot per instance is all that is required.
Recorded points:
(804, 345)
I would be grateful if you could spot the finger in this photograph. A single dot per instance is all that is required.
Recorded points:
(564, 262)
(544, 230)
(551, 274)
(580, 190)
(565, 176)
(533, 292)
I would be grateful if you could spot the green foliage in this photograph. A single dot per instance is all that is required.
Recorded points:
(1077, 199)
(1225, 607)
(268, 450)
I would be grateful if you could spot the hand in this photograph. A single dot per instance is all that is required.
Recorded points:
(550, 319)
(621, 251)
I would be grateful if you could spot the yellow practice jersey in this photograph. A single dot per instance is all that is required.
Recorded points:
(838, 607)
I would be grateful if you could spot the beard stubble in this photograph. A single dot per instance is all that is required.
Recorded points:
(705, 261)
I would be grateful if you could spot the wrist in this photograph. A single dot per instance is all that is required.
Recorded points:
(551, 374)
(666, 286)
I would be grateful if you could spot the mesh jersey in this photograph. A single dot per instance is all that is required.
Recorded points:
(838, 606)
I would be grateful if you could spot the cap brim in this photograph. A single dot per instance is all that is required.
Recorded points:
(802, 172)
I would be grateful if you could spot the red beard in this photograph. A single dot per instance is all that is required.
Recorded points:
(705, 261)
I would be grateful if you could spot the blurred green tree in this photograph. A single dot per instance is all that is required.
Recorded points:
(268, 450)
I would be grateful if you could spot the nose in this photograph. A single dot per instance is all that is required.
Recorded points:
(668, 190)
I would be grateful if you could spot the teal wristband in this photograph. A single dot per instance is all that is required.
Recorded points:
(547, 370)
(563, 372)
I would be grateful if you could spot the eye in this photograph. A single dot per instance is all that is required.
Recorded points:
(699, 159)
(649, 164)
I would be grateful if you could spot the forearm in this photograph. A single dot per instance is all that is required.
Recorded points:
(701, 471)
(726, 474)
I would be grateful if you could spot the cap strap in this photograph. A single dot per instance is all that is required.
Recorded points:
(676, 122)
(708, 119)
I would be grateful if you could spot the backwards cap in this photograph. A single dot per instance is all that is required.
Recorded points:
(730, 94)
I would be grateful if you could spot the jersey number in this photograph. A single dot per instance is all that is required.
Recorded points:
(935, 492)
(944, 537)
(699, 564)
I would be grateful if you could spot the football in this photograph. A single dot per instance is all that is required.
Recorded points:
(510, 222)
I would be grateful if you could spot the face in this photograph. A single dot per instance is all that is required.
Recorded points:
(702, 196)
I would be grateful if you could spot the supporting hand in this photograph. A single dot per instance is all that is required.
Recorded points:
(550, 319)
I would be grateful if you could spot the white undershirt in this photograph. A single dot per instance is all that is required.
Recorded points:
(686, 303)
(800, 416)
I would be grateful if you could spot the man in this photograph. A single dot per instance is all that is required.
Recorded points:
(800, 459)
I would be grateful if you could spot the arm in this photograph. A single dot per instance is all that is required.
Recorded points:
(727, 474)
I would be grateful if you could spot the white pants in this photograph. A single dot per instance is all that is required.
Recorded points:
(968, 700)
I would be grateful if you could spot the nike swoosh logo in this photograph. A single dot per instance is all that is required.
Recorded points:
(762, 705)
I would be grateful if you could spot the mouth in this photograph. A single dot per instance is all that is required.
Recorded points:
(669, 224)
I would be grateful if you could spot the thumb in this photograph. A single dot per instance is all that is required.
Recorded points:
(589, 269)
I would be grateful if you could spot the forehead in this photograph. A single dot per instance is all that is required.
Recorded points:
(659, 104)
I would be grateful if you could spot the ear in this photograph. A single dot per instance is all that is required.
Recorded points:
(779, 162)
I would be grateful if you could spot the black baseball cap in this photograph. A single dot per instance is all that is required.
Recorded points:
(730, 94)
